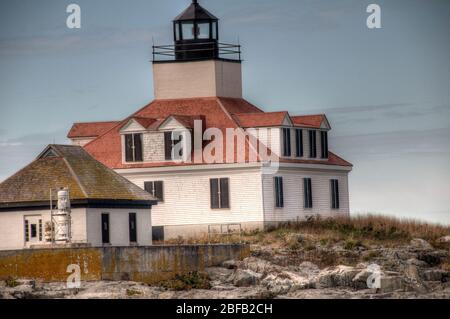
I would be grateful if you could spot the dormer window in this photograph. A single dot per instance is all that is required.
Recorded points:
(133, 148)
(169, 144)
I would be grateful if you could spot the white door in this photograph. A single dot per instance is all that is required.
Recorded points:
(33, 230)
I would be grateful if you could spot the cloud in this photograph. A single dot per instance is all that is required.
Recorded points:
(104, 38)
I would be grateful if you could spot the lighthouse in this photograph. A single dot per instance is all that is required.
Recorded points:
(197, 64)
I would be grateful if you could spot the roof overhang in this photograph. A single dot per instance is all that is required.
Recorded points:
(81, 203)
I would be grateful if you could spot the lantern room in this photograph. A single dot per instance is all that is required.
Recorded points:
(196, 33)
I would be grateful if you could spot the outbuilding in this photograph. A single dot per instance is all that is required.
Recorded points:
(66, 197)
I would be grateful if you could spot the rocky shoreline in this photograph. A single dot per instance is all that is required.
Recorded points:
(414, 270)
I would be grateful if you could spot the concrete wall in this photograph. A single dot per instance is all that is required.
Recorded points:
(197, 79)
(144, 264)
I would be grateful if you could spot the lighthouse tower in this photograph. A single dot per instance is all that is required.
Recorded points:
(197, 64)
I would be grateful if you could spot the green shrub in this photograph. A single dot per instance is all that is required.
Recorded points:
(132, 292)
(11, 282)
(192, 280)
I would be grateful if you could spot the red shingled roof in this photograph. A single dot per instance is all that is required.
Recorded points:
(312, 121)
(216, 112)
(92, 129)
(260, 119)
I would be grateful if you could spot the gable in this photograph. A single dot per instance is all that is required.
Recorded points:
(287, 121)
(132, 126)
(171, 124)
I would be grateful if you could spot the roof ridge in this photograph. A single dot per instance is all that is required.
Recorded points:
(95, 122)
(242, 99)
(75, 176)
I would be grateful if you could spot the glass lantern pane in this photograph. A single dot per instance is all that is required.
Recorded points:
(203, 31)
(177, 31)
(214, 30)
(188, 31)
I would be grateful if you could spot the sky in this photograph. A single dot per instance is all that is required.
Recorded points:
(385, 91)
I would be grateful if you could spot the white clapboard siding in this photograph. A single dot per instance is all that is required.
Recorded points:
(119, 226)
(187, 197)
(293, 195)
(12, 231)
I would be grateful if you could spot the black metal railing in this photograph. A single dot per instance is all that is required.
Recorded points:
(196, 51)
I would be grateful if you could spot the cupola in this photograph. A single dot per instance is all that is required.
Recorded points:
(196, 33)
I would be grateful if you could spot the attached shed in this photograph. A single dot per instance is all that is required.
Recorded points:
(106, 208)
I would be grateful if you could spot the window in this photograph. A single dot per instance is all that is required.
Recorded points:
(279, 196)
(307, 190)
(312, 144)
(158, 233)
(27, 231)
(105, 228)
(169, 144)
(299, 143)
(286, 142)
(334, 194)
(220, 190)
(133, 148)
(40, 229)
(187, 31)
(177, 31)
(156, 189)
(133, 227)
(33, 230)
(203, 31)
(324, 143)
(214, 30)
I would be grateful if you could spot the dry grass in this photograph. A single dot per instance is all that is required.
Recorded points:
(373, 228)
(354, 231)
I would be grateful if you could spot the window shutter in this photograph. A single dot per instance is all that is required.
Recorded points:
(279, 196)
(138, 147)
(148, 186)
(180, 140)
(168, 145)
(129, 148)
(224, 193)
(159, 190)
(287, 142)
(214, 190)
(280, 181)
(307, 193)
(324, 142)
(312, 144)
(299, 142)
(337, 195)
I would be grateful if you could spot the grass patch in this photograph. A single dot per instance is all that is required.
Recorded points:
(133, 292)
(11, 282)
(192, 280)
